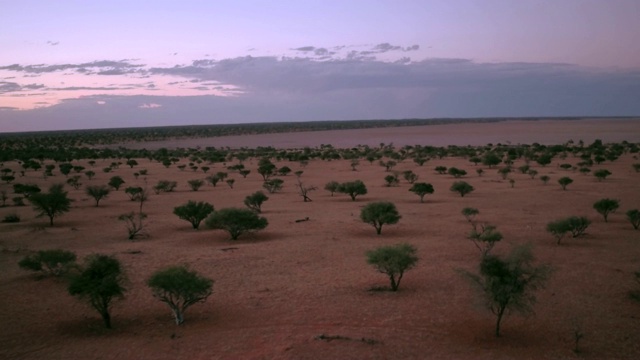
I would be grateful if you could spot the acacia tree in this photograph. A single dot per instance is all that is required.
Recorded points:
(115, 182)
(461, 187)
(332, 187)
(100, 281)
(255, 200)
(97, 192)
(574, 225)
(304, 190)
(52, 204)
(379, 213)
(236, 221)
(394, 261)
(421, 189)
(352, 188)
(180, 289)
(606, 206)
(633, 216)
(564, 182)
(510, 283)
(193, 212)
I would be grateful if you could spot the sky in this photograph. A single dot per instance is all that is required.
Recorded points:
(74, 64)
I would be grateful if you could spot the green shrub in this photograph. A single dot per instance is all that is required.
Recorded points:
(193, 212)
(421, 189)
(393, 261)
(606, 207)
(576, 225)
(634, 218)
(236, 221)
(49, 262)
(461, 187)
(379, 214)
(255, 201)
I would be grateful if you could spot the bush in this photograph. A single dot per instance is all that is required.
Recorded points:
(236, 221)
(164, 186)
(179, 288)
(485, 237)
(564, 181)
(97, 192)
(100, 281)
(441, 169)
(332, 187)
(394, 261)
(195, 184)
(509, 284)
(273, 185)
(456, 173)
(49, 262)
(352, 188)
(410, 176)
(255, 200)
(134, 223)
(606, 206)
(115, 182)
(421, 189)
(11, 218)
(602, 174)
(379, 213)
(391, 180)
(26, 189)
(470, 213)
(634, 218)
(545, 179)
(193, 212)
(52, 204)
(461, 187)
(574, 225)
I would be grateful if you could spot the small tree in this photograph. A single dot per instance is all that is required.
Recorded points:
(74, 182)
(90, 174)
(213, 180)
(394, 261)
(606, 206)
(575, 225)
(602, 174)
(634, 218)
(391, 180)
(510, 283)
(134, 223)
(421, 189)
(470, 213)
(97, 192)
(441, 169)
(236, 221)
(49, 262)
(461, 187)
(564, 181)
(193, 212)
(379, 213)
(484, 237)
(456, 173)
(115, 182)
(255, 200)
(164, 186)
(273, 185)
(545, 179)
(132, 163)
(100, 281)
(304, 190)
(352, 188)
(195, 184)
(52, 204)
(332, 187)
(410, 176)
(180, 288)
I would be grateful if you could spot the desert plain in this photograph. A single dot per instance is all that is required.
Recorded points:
(302, 290)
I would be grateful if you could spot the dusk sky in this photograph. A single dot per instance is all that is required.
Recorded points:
(99, 64)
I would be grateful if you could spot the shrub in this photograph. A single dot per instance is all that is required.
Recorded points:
(132, 163)
(491, 159)
(195, 184)
(97, 192)
(115, 182)
(606, 206)
(74, 182)
(134, 223)
(236, 221)
(602, 174)
(49, 262)
(391, 180)
(52, 204)
(11, 218)
(456, 173)
(441, 169)
(574, 225)
(564, 181)
(532, 173)
(410, 176)
(461, 187)
(179, 288)
(421, 189)
(255, 201)
(352, 188)
(634, 218)
(379, 213)
(26, 189)
(284, 171)
(273, 185)
(470, 213)
(545, 179)
(90, 174)
(193, 212)
(332, 187)
(164, 186)
(100, 281)
(485, 237)
(393, 261)
(509, 284)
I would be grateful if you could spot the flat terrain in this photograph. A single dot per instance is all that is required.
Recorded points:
(277, 290)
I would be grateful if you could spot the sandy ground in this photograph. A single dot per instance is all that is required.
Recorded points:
(280, 288)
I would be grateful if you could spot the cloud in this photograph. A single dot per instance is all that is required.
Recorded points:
(7, 87)
(150, 106)
(83, 67)
(53, 43)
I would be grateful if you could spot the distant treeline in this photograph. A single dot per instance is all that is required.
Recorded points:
(124, 135)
